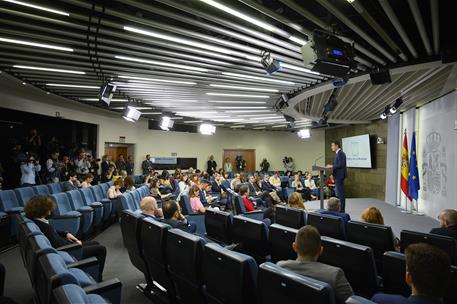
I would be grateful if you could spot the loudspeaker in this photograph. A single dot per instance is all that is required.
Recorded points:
(380, 77)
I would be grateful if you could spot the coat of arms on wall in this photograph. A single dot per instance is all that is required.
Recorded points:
(434, 169)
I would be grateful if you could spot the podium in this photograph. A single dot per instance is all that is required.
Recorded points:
(321, 186)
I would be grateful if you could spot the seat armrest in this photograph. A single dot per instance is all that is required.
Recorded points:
(96, 205)
(66, 216)
(256, 215)
(89, 265)
(110, 290)
(74, 250)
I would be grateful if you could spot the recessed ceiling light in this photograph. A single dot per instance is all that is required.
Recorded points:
(249, 111)
(137, 108)
(97, 99)
(71, 86)
(42, 45)
(27, 67)
(237, 126)
(241, 107)
(258, 128)
(237, 95)
(162, 63)
(51, 10)
(151, 113)
(236, 102)
(297, 40)
(243, 88)
(279, 126)
(192, 121)
(258, 78)
(158, 80)
(297, 68)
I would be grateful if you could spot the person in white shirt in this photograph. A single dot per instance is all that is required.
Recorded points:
(53, 168)
(228, 165)
(235, 181)
(82, 165)
(87, 181)
(29, 170)
(184, 183)
(114, 191)
(275, 180)
(309, 183)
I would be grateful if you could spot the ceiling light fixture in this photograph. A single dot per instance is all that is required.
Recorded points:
(237, 102)
(41, 45)
(112, 100)
(297, 68)
(258, 78)
(166, 123)
(77, 86)
(51, 10)
(298, 40)
(158, 80)
(27, 67)
(222, 86)
(161, 63)
(304, 133)
(207, 129)
(241, 107)
(131, 114)
(237, 95)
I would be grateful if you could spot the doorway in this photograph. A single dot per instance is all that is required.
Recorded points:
(116, 149)
(247, 154)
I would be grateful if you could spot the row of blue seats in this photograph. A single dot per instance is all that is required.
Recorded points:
(61, 275)
(72, 207)
(189, 269)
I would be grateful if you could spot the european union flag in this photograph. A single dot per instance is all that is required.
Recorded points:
(413, 177)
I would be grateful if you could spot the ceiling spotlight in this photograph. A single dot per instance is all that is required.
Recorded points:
(395, 105)
(386, 113)
(304, 133)
(166, 123)
(383, 115)
(282, 103)
(131, 114)
(207, 129)
(270, 64)
(106, 93)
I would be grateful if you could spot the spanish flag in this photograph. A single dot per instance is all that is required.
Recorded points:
(404, 167)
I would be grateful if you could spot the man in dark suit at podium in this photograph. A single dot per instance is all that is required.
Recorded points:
(339, 172)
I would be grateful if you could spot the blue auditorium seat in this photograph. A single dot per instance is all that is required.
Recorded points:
(136, 196)
(239, 273)
(55, 188)
(281, 239)
(24, 194)
(154, 239)
(358, 300)
(185, 263)
(239, 208)
(198, 218)
(99, 194)
(41, 190)
(89, 198)
(251, 236)
(290, 217)
(64, 217)
(218, 226)
(278, 285)
(77, 202)
(87, 219)
(53, 272)
(127, 203)
(328, 225)
(105, 188)
(74, 294)
(10, 205)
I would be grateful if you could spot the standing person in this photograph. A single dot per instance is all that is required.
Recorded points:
(29, 170)
(211, 164)
(146, 165)
(264, 165)
(106, 163)
(340, 172)
(33, 142)
(130, 165)
(53, 168)
(82, 165)
(228, 165)
(120, 163)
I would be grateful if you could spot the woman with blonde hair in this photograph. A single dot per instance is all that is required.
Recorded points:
(296, 201)
(372, 215)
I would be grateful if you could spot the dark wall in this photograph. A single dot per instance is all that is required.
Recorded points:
(16, 125)
(363, 182)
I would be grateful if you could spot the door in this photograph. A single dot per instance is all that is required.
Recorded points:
(114, 152)
(247, 154)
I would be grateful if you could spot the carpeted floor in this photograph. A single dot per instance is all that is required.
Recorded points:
(118, 265)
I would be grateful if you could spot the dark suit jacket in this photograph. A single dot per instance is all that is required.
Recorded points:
(68, 186)
(105, 167)
(57, 238)
(382, 298)
(339, 166)
(215, 187)
(449, 231)
(183, 225)
(211, 165)
(267, 186)
(203, 198)
(253, 189)
(346, 218)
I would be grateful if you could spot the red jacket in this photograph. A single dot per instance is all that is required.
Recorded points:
(248, 205)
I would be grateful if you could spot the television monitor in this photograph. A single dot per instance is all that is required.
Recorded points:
(358, 151)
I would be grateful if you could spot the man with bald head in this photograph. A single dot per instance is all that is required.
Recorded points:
(448, 223)
(148, 206)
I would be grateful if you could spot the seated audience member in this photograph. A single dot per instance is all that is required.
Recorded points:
(87, 180)
(195, 180)
(374, 216)
(29, 170)
(330, 183)
(255, 190)
(308, 247)
(165, 184)
(39, 208)
(205, 197)
(448, 223)
(311, 185)
(296, 201)
(297, 184)
(272, 191)
(148, 206)
(115, 190)
(129, 184)
(275, 180)
(122, 175)
(195, 202)
(235, 181)
(334, 208)
(216, 184)
(427, 273)
(155, 191)
(184, 184)
(173, 217)
(72, 183)
(251, 206)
